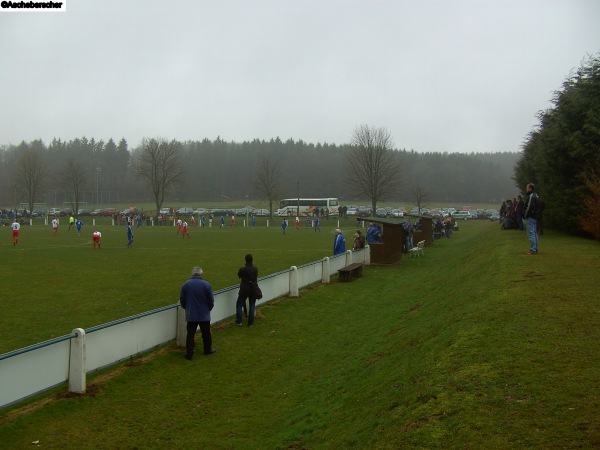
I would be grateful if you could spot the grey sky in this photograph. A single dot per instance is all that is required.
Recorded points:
(440, 75)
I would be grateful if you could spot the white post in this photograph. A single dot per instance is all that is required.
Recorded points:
(348, 257)
(151, 221)
(267, 223)
(367, 255)
(294, 281)
(325, 277)
(77, 366)
(181, 327)
(94, 222)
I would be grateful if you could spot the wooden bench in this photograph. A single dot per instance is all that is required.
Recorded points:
(351, 272)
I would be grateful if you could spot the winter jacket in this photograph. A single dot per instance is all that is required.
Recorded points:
(196, 297)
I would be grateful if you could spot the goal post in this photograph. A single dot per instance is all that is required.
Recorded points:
(37, 207)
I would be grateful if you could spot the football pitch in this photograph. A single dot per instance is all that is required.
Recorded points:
(53, 284)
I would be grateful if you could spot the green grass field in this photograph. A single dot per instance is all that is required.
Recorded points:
(475, 345)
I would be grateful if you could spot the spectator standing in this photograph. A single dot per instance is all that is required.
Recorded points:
(16, 230)
(339, 243)
(247, 275)
(520, 206)
(129, 236)
(530, 214)
(359, 240)
(196, 297)
(373, 234)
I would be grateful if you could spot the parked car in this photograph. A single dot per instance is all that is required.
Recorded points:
(352, 211)
(109, 211)
(494, 216)
(262, 212)
(96, 212)
(414, 211)
(397, 213)
(461, 215)
(54, 212)
(83, 212)
(129, 212)
(381, 212)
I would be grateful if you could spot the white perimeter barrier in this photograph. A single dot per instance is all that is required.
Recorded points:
(34, 369)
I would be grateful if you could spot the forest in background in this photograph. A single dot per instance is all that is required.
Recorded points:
(217, 170)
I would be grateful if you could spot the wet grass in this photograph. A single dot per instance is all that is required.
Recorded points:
(475, 345)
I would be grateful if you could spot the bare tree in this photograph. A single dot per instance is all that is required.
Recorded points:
(267, 181)
(73, 179)
(374, 169)
(420, 195)
(31, 175)
(158, 164)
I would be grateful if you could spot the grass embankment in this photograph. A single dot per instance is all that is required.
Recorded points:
(475, 345)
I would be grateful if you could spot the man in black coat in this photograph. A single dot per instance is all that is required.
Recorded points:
(248, 275)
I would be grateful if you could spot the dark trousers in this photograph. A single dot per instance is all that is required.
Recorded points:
(241, 304)
(191, 333)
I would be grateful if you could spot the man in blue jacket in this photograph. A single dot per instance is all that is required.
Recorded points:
(197, 299)
(339, 243)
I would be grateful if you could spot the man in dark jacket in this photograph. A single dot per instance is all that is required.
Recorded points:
(197, 299)
(248, 275)
(530, 215)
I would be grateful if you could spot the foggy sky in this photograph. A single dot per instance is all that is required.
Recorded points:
(441, 76)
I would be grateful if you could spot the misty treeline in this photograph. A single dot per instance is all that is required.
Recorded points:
(219, 170)
(561, 156)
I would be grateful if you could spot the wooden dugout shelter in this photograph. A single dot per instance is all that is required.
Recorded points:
(390, 250)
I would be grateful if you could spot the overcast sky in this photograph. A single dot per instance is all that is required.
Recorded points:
(440, 75)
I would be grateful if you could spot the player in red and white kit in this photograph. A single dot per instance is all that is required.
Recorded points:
(16, 227)
(97, 239)
(184, 230)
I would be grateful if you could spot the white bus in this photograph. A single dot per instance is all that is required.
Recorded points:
(289, 206)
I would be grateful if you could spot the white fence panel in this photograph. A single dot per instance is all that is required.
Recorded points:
(224, 304)
(33, 371)
(309, 274)
(110, 343)
(336, 263)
